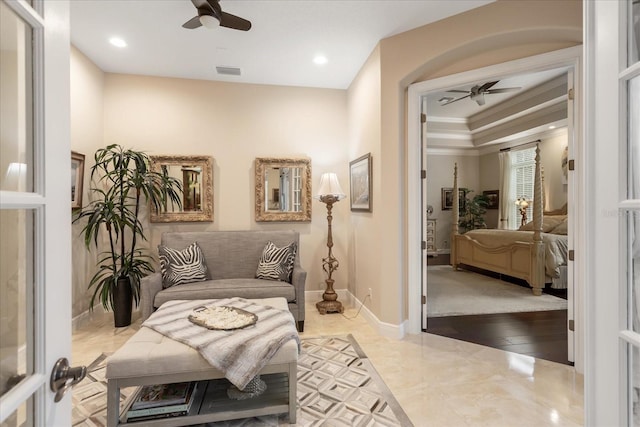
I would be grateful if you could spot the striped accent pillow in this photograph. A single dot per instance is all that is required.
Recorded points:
(179, 267)
(277, 263)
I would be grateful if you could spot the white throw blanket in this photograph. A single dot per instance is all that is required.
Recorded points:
(241, 353)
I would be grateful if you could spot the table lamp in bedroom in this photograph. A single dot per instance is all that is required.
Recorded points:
(522, 203)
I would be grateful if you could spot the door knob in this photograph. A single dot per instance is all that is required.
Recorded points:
(63, 377)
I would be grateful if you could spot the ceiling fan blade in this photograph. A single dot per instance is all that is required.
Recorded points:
(503, 90)
(192, 23)
(214, 6)
(487, 86)
(200, 3)
(458, 91)
(454, 100)
(235, 22)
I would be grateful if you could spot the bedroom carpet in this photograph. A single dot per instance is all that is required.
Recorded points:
(337, 386)
(458, 293)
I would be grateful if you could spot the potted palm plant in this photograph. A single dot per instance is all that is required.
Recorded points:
(123, 181)
(472, 213)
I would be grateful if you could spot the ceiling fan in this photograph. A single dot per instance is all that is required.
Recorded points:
(210, 15)
(478, 92)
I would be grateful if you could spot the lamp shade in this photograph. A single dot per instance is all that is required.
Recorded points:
(329, 186)
(522, 202)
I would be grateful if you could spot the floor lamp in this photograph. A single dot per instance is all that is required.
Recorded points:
(330, 192)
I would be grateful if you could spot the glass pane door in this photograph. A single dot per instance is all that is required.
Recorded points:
(16, 225)
(35, 210)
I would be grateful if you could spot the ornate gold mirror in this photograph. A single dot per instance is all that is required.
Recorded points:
(283, 189)
(196, 175)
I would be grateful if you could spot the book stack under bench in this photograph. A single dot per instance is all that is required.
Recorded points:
(165, 400)
(150, 358)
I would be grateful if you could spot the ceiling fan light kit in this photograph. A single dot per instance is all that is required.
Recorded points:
(209, 21)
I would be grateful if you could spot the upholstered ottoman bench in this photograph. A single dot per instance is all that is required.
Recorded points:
(150, 357)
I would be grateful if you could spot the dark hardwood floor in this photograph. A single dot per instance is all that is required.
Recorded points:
(541, 334)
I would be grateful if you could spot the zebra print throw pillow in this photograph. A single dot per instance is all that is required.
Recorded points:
(277, 263)
(179, 267)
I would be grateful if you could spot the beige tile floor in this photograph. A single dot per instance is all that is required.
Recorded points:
(438, 381)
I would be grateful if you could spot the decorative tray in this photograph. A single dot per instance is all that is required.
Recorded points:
(222, 318)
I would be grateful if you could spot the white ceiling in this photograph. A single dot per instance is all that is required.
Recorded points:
(279, 49)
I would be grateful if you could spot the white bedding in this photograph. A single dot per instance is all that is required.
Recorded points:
(555, 245)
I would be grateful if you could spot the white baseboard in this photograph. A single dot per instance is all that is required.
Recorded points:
(385, 329)
(87, 316)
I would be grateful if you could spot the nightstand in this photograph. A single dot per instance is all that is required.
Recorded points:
(431, 238)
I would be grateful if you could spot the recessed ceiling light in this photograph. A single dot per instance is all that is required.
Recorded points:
(320, 60)
(552, 127)
(118, 42)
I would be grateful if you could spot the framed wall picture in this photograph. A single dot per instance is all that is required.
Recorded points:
(493, 198)
(447, 198)
(77, 178)
(360, 183)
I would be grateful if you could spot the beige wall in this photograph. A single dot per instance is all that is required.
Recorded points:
(489, 166)
(87, 133)
(236, 123)
(499, 32)
(555, 188)
(233, 123)
(364, 137)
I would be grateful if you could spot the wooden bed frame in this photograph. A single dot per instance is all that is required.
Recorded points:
(524, 260)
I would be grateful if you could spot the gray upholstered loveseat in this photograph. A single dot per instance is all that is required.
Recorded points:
(232, 259)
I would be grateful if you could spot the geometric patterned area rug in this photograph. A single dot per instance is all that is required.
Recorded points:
(337, 386)
(461, 292)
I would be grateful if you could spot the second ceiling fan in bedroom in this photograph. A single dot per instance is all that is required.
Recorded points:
(477, 93)
(210, 15)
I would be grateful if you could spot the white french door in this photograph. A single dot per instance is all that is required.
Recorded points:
(35, 213)
(612, 380)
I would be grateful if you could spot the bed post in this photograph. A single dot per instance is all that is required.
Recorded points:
(537, 251)
(455, 218)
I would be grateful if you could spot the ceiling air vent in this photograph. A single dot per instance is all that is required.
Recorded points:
(229, 71)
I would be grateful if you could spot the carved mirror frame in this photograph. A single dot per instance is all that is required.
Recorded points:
(204, 162)
(261, 166)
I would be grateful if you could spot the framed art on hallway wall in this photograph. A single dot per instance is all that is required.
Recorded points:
(360, 183)
(77, 178)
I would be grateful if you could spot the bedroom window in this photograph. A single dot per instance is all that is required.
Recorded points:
(523, 165)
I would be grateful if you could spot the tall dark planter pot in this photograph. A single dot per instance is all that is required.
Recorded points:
(122, 302)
